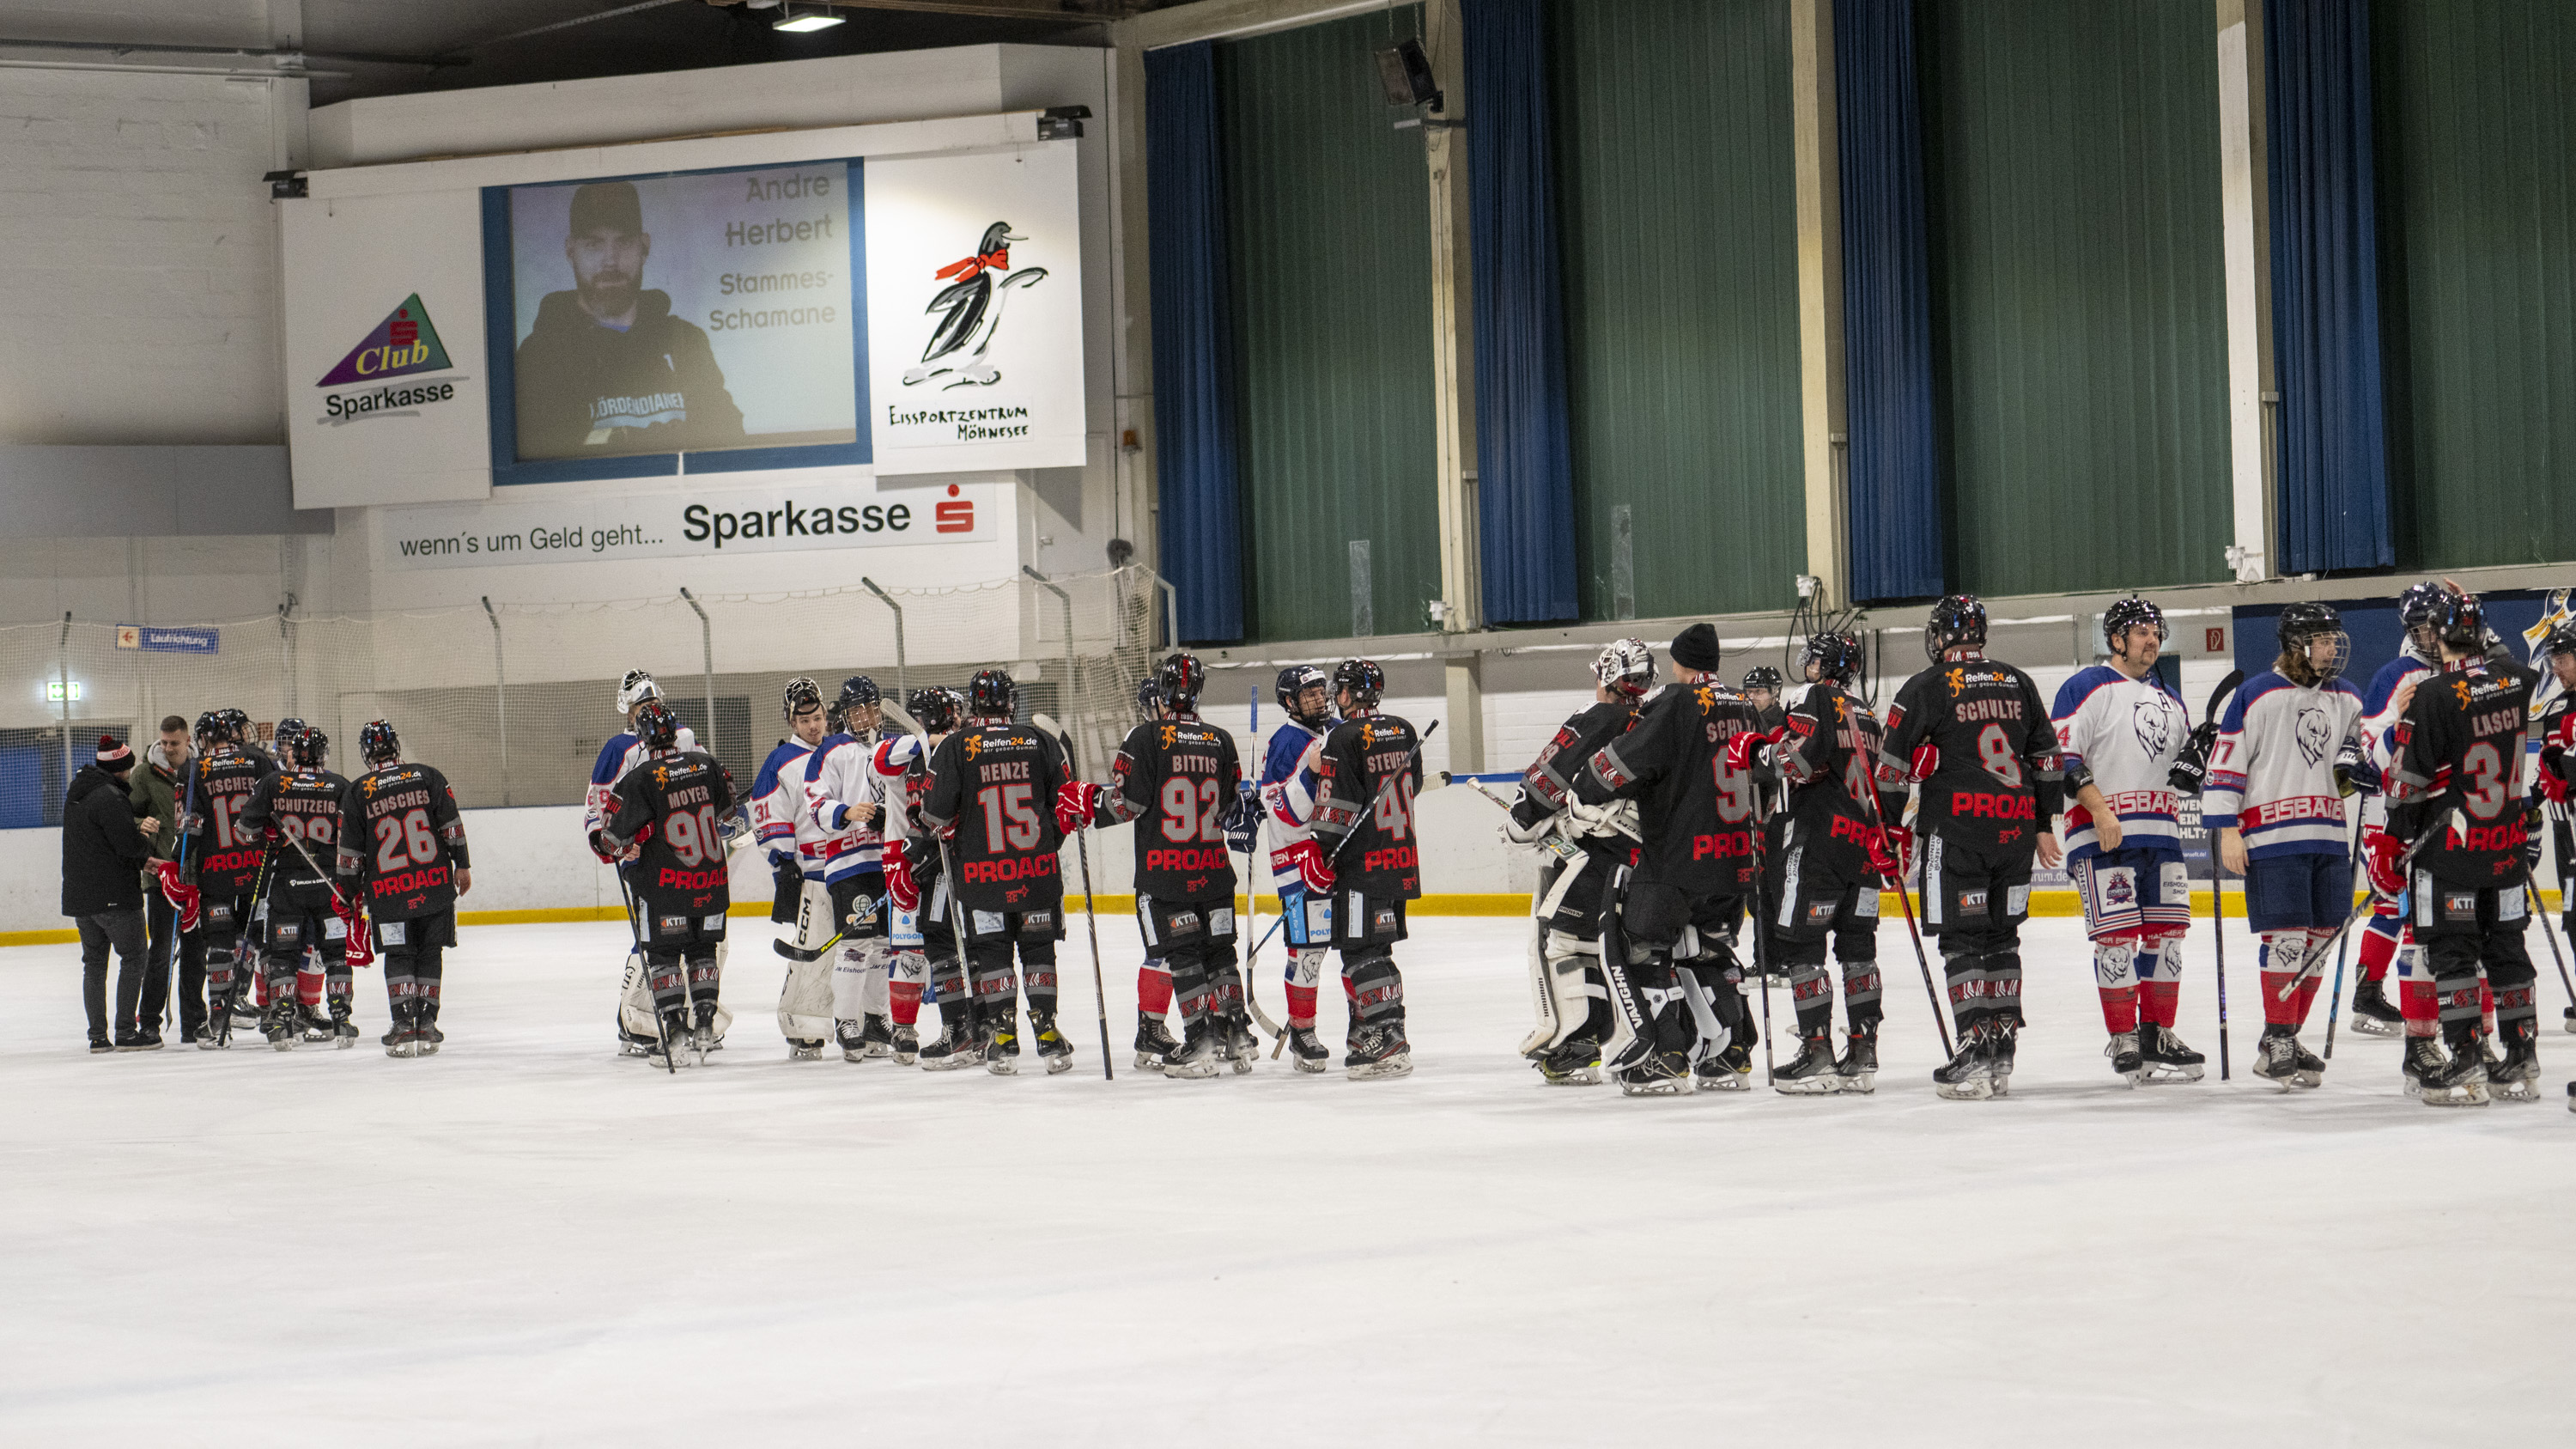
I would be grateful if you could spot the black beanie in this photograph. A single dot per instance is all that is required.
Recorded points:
(113, 756)
(610, 204)
(1696, 648)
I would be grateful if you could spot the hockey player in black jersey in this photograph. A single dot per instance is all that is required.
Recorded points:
(994, 783)
(2455, 786)
(1678, 904)
(1819, 881)
(1580, 848)
(1762, 690)
(665, 821)
(1975, 735)
(402, 855)
(224, 861)
(1179, 779)
(1368, 771)
(917, 885)
(2554, 778)
(307, 925)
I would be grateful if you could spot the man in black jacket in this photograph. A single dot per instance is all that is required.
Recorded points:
(104, 851)
(607, 369)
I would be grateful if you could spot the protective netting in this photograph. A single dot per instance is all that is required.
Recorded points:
(514, 702)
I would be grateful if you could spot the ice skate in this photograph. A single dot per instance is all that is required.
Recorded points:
(2371, 1013)
(1661, 1074)
(1811, 1072)
(1154, 1043)
(2423, 1056)
(426, 1036)
(2123, 1052)
(1308, 1051)
(2516, 1078)
(1576, 1063)
(216, 1034)
(1969, 1074)
(1377, 1051)
(278, 1026)
(876, 1039)
(315, 1026)
(2311, 1071)
(1238, 1041)
(1053, 1049)
(1197, 1055)
(344, 1032)
(1002, 1048)
(956, 1046)
(2460, 1082)
(2001, 1038)
(804, 1051)
(399, 1039)
(2276, 1058)
(1858, 1065)
(906, 1045)
(851, 1038)
(2163, 1057)
(1728, 1069)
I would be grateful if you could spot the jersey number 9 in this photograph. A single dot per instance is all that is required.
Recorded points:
(1190, 810)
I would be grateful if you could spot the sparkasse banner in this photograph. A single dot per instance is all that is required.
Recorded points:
(808, 514)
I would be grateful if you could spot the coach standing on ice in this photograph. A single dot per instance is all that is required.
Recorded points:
(104, 851)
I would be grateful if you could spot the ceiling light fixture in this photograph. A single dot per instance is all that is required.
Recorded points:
(805, 21)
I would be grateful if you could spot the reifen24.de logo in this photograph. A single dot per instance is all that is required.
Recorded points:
(405, 343)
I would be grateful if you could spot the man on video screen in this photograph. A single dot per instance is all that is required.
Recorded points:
(607, 368)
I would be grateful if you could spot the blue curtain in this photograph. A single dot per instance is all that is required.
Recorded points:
(1194, 425)
(2333, 467)
(1524, 450)
(1894, 458)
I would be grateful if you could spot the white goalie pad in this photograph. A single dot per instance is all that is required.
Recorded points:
(815, 926)
(635, 1014)
(805, 1000)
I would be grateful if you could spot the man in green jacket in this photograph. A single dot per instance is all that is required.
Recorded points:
(157, 788)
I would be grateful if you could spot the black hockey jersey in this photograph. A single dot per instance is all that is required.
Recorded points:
(302, 807)
(402, 841)
(1365, 826)
(997, 782)
(1828, 755)
(2455, 768)
(1698, 818)
(1548, 783)
(1994, 778)
(223, 855)
(1176, 779)
(673, 805)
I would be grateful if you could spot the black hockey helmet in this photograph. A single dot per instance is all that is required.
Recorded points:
(1291, 687)
(2461, 622)
(2417, 608)
(1957, 622)
(935, 710)
(1836, 656)
(2311, 619)
(1179, 680)
(290, 740)
(656, 726)
(1149, 698)
(1361, 679)
(311, 747)
(2561, 640)
(236, 725)
(2131, 613)
(991, 694)
(210, 728)
(858, 691)
(800, 695)
(1762, 676)
(378, 744)
(1625, 667)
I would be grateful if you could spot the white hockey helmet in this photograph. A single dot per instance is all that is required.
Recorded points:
(1625, 666)
(634, 689)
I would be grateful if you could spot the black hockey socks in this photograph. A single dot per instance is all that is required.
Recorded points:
(1861, 989)
(1376, 988)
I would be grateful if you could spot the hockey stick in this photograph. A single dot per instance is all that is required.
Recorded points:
(2218, 876)
(1762, 943)
(2558, 816)
(1905, 902)
(1090, 908)
(2314, 965)
(1333, 864)
(179, 948)
(947, 874)
(635, 953)
(2334, 1004)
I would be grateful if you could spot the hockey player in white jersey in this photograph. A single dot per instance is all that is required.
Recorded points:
(2119, 731)
(637, 1028)
(1289, 789)
(787, 827)
(773, 800)
(2274, 800)
(844, 801)
(2385, 939)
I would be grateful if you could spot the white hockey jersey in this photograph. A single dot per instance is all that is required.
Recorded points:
(2126, 733)
(2271, 775)
(1288, 790)
(773, 797)
(622, 753)
(837, 777)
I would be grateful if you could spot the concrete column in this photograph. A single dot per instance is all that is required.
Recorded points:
(1465, 727)
(2253, 393)
(1452, 332)
(1822, 423)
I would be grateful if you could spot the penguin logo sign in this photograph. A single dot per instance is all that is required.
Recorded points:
(966, 314)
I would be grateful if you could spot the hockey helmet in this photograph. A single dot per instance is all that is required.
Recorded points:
(1837, 656)
(2561, 640)
(1149, 698)
(2417, 608)
(1625, 667)
(634, 689)
(2461, 622)
(1762, 676)
(210, 728)
(991, 694)
(1957, 622)
(858, 690)
(935, 710)
(290, 740)
(656, 726)
(1361, 679)
(1291, 687)
(2311, 619)
(2131, 613)
(800, 695)
(1179, 680)
(236, 725)
(378, 744)
(311, 748)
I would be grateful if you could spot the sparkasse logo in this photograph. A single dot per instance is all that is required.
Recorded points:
(404, 342)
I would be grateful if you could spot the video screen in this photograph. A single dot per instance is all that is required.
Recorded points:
(688, 313)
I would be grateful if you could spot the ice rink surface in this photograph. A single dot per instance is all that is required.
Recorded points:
(526, 1240)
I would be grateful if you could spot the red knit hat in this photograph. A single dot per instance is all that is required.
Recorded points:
(113, 756)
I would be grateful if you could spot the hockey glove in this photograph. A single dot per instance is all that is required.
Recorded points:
(1242, 821)
(2192, 768)
(2353, 772)
(1890, 847)
(1308, 858)
(2531, 833)
(898, 876)
(1074, 803)
(2381, 853)
(1749, 750)
(361, 949)
(179, 891)
(786, 877)
(2552, 781)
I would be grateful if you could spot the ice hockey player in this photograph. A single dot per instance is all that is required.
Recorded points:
(2555, 775)
(1364, 852)
(918, 915)
(403, 858)
(991, 784)
(2120, 731)
(1155, 1044)
(2286, 742)
(308, 925)
(1286, 794)
(223, 865)
(843, 803)
(636, 1032)
(665, 818)
(2455, 786)
(1581, 848)
(774, 801)
(1697, 819)
(2385, 939)
(1762, 690)
(1974, 734)
(1821, 879)
(1177, 779)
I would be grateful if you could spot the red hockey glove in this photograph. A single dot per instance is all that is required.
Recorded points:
(1074, 804)
(1312, 868)
(1746, 750)
(2552, 781)
(361, 948)
(2380, 853)
(1890, 847)
(898, 874)
(1927, 758)
(179, 892)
